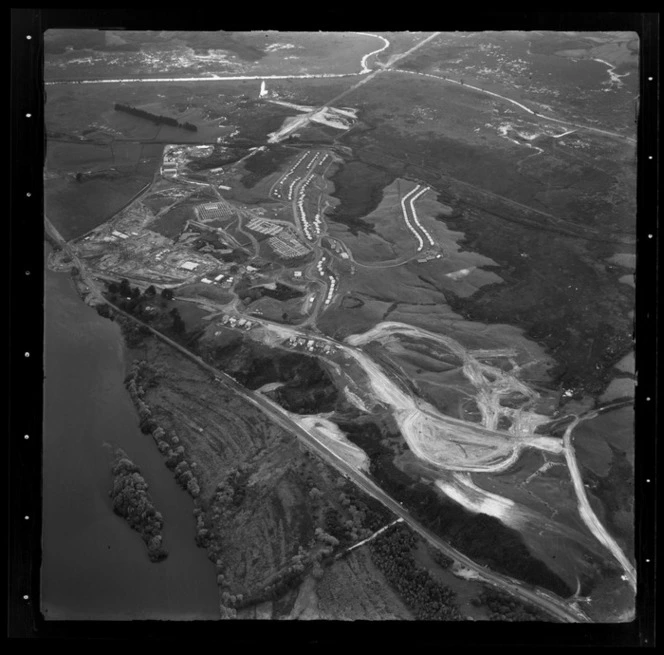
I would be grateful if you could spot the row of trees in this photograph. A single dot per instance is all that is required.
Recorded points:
(427, 598)
(155, 118)
(145, 307)
(288, 579)
(503, 607)
(132, 502)
(123, 288)
(141, 375)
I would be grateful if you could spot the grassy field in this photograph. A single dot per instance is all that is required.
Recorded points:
(75, 208)
(384, 237)
(339, 321)
(59, 41)
(311, 52)
(75, 157)
(86, 183)
(209, 291)
(171, 223)
(287, 312)
(313, 91)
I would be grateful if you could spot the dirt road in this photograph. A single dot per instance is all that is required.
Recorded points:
(585, 510)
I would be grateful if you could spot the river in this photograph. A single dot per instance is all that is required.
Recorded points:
(94, 565)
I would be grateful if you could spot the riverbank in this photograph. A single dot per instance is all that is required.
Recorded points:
(93, 565)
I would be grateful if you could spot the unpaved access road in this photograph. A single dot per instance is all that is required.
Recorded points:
(585, 510)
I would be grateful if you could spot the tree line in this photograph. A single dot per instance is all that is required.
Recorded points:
(155, 118)
(503, 607)
(427, 598)
(149, 306)
(123, 288)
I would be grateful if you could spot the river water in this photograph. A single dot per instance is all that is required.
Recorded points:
(94, 565)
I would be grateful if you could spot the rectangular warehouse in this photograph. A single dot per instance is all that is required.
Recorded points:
(215, 210)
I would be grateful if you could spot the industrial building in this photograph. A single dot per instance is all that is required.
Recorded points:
(288, 245)
(215, 210)
(264, 227)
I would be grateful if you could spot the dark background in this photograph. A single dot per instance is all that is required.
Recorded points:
(24, 261)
